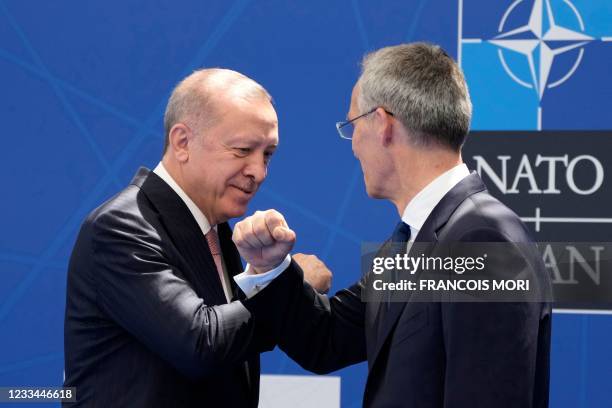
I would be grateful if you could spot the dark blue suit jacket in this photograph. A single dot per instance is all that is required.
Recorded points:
(436, 354)
(147, 323)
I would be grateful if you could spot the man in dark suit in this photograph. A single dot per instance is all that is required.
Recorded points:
(408, 119)
(153, 315)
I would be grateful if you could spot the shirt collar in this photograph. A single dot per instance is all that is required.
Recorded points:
(419, 208)
(199, 216)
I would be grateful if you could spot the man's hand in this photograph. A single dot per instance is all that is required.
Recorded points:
(316, 272)
(263, 239)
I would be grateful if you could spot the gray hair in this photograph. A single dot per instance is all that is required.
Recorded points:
(423, 88)
(193, 99)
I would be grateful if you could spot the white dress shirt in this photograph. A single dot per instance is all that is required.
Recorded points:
(251, 282)
(422, 204)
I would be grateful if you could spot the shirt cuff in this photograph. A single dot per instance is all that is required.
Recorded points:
(251, 283)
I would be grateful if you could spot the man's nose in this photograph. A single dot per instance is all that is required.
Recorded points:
(257, 168)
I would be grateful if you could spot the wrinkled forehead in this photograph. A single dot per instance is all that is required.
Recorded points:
(257, 110)
(252, 120)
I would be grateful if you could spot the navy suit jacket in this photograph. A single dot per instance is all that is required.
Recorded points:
(436, 354)
(147, 323)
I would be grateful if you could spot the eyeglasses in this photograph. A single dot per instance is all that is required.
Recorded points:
(346, 128)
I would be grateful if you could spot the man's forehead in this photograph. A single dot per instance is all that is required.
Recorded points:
(249, 104)
(355, 90)
(354, 97)
(252, 121)
(253, 136)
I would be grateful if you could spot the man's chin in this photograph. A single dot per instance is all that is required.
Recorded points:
(236, 211)
(374, 193)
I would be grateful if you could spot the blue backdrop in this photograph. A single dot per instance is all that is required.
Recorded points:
(83, 89)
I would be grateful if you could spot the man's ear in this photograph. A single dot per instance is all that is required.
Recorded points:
(385, 126)
(179, 138)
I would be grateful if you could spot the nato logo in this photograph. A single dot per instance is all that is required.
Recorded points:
(537, 64)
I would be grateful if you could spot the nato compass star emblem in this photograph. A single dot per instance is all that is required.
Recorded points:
(540, 46)
(540, 41)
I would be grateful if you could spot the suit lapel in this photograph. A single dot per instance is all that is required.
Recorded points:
(187, 238)
(377, 310)
(231, 257)
(233, 264)
(427, 235)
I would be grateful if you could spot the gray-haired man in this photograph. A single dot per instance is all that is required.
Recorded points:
(408, 119)
(153, 316)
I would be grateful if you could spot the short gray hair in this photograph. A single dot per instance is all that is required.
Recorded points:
(193, 99)
(423, 88)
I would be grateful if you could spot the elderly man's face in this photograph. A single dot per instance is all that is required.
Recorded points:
(367, 149)
(230, 160)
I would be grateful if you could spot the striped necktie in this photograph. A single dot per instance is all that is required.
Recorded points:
(213, 243)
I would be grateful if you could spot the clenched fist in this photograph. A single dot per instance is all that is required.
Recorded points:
(263, 239)
(316, 272)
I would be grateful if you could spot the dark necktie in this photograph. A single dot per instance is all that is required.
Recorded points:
(401, 233)
(399, 238)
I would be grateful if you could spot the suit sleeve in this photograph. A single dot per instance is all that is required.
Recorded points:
(491, 347)
(323, 334)
(138, 288)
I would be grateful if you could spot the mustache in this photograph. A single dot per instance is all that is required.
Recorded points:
(250, 186)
